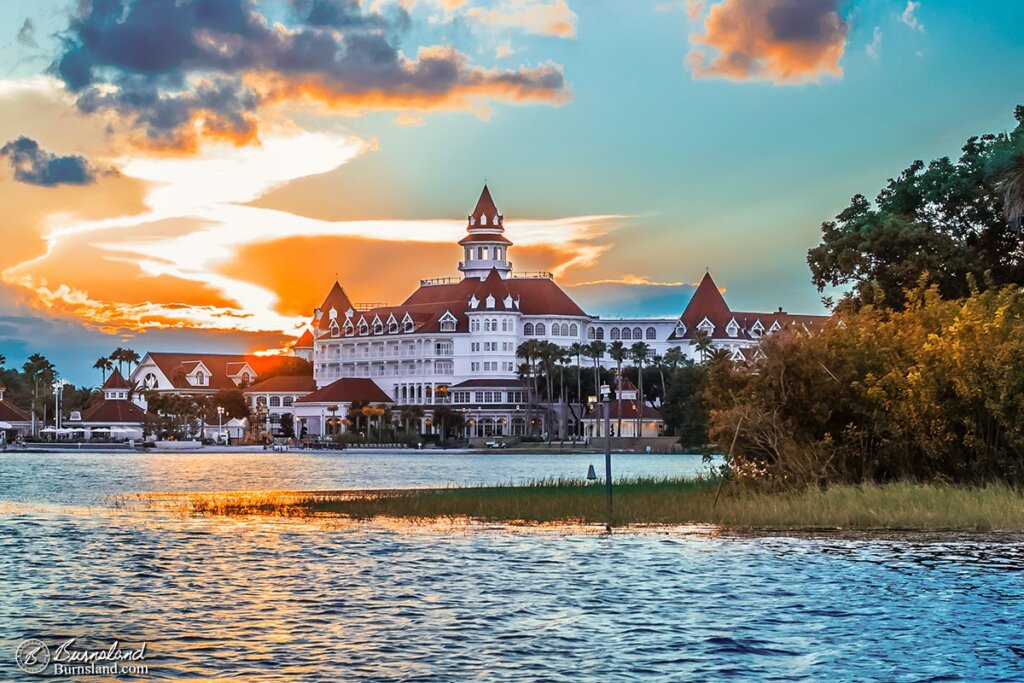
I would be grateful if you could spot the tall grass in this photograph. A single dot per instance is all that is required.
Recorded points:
(653, 501)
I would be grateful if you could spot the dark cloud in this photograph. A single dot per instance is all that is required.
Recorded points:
(27, 34)
(180, 69)
(782, 41)
(36, 166)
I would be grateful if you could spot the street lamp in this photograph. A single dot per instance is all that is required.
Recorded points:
(220, 420)
(606, 394)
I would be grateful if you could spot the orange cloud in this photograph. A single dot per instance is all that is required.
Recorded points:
(785, 42)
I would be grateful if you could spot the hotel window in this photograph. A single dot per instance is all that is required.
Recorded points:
(565, 329)
(591, 333)
(363, 329)
(541, 330)
(393, 328)
(616, 335)
(288, 401)
(506, 325)
(574, 330)
(200, 379)
(474, 326)
(447, 325)
(506, 346)
(528, 329)
(554, 330)
(474, 367)
(275, 401)
(261, 400)
(600, 333)
(409, 326)
(652, 333)
(475, 347)
(378, 328)
(638, 333)
(509, 367)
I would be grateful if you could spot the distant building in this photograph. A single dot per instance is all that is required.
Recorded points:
(115, 415)
(13, 420)
(275, 398)
(325, 411)
(651, 424)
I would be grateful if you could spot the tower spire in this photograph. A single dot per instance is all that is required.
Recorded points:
(485, 247)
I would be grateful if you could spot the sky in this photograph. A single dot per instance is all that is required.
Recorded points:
(193, 174)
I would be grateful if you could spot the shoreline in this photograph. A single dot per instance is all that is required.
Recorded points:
(898, 508)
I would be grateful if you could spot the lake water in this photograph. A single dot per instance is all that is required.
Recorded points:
(277, 599)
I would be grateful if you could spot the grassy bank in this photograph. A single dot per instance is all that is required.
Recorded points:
(649, 501)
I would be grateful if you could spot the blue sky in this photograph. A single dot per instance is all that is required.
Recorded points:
(731, 170)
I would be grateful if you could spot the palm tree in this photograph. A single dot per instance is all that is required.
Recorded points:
(596, 350)
(577, 349)
(548, 354)
(130, 357)
(674, 358)
(639, 351)
(617, 351)
(2, 360)
(103, 364)
(658, 363)
(703, 343)
(409, 414)
(529, 350)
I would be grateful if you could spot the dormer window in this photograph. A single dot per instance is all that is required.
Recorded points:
(335, 331)
(489, 302)
(706, 326)
(757, 329)
(393, 327)
(378, 328)
(349, 330)
(200, 379)
(775, 327)
(363, 328)
(483, 219)
(732, 329)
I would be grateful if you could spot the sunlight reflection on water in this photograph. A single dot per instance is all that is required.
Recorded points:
(277, 599)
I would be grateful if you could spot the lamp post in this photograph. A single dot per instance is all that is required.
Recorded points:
(220, 420)
(606, 402)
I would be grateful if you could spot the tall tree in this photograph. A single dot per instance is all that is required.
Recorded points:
(117, 356)
(703, 344)
(596, 350)
(618, 352)
(41, 375)
(104, 365)
(529, 351)
(639, 352)
(577, 350)
(947, 220)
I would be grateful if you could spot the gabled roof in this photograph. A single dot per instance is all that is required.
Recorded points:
(288, 384)
(541, 296)
(493, 286)
(339, 301)
(116, 381)
(485, 207)
(175, 365)
(117, 410)
(348, 390)
(12, 413)
(707, 302)
(305, 341)
(475, 237)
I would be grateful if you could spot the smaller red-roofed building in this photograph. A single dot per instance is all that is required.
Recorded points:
(324, 411)
(650, 425)
(113, 415)
(13, 420)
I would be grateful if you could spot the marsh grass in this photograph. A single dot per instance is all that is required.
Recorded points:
(899, 506)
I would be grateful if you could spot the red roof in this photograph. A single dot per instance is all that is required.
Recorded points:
(348, 390)
(289, 384)
(494, 286)
(489, 383)
(116, 381)
(11, 413)
(485, 207)
(541, 296)
(114, 411)
(474, 237)
(222, 366)
(339, 301)
(708, 303)
(305, 341)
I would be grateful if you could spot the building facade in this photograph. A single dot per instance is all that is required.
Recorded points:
(454, 341)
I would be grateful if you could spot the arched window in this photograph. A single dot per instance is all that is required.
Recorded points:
(638, 333)
(494, 325)
(554, 329)
(409, 326)
(275, 401)
(591, 333)
(652, 333)
(393, 328)
(506, 325)
(600, 333)
(574, 330)
(541, 329)
(565, 329)
(378, 328)
(474, 326)
(288, 401)
(616, 335)
(528, 329)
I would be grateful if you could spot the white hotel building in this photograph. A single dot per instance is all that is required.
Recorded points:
(454, 340)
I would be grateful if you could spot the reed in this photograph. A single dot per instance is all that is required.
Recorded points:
(896, 506)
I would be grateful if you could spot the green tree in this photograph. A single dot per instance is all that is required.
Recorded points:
(684, 408)
(529, 352)
(703, 344)
(40, 374)
(578, 350)
(618, 353)
(639, 352)
(946, 220)
(104, 365)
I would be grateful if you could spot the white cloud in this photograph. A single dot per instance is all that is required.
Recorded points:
(874, 48)
(909, 16)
